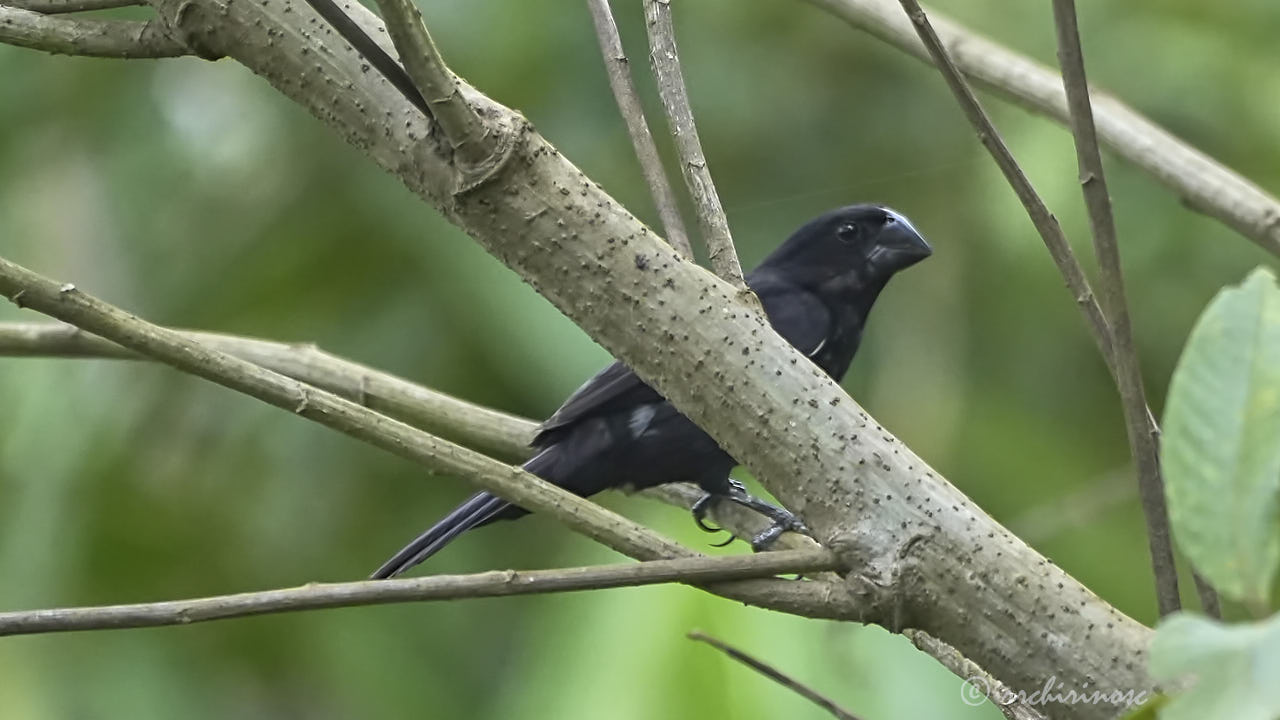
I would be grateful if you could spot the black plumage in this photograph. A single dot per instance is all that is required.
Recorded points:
(817, 289)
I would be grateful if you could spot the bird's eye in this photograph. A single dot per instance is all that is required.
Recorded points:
(848, 232)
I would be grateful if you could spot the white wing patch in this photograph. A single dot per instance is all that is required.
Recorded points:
(640, 419)
(818, 349)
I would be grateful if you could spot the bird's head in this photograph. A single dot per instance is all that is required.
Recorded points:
(854, 247)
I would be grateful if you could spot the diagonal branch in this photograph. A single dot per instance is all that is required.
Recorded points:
(54, 7)
(624, 93)
(314, 596)
(693, 164)
(1054, 239)
(777, 676)
(65, 302)
(429, 409)
(1203, 183)
(123, 39)
(466, 132)
(977, 682)
(921, 554)
(1139, 424)
(502, 435)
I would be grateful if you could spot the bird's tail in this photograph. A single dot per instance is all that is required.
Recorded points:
(478, 510)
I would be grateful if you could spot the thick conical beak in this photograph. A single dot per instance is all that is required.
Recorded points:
(899, 245)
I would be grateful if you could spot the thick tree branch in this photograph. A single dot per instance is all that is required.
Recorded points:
(1202, 182)
(777, 676)
(624, 93)
(665, 60)
(920, 553)
(1139, 423)
(1047, 225)
(88, 37)
(314, 596)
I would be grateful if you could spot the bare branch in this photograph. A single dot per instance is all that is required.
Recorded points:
(693, 164)
(1209, 603)
(315, 596)
(777, 676)
(1054, 239)
(976, 680)
(1139, 423)
(65, 302)
(501, 434)
(54, 7)
(69, 304)
(311, 365)
(920, 553)
(624, 93)
(1046, 224)
(466, 131)
(124, 39)
(1202, 182)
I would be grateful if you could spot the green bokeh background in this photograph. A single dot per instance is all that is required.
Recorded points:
(191, 193)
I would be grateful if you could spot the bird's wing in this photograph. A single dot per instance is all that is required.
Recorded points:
(615, 388)
(795, 313)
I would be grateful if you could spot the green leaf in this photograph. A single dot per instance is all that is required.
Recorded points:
(1149, 710)
(1234, 668)
(1221, 447)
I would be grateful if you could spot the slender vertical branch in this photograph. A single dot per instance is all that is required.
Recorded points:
(624, 93)
(1055, 240)
(467, 133)
(777, 676)
(1139, 424)
(693, 164)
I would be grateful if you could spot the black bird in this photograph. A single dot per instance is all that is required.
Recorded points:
(615, 431)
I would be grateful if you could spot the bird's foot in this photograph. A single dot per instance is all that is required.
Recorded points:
(783, 520)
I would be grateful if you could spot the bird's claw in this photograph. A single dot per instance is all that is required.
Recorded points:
(700, 509)
(783, 521)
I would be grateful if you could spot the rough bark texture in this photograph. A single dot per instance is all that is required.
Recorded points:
(923, 555)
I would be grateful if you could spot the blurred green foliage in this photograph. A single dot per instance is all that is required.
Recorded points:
(191, 193)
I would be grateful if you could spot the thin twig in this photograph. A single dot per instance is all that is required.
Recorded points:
(624, 93)
(1209, 603)
(69, 304)
(467, 133)
(777, 676)
(65, 302)
(1046, 224)
(89, 37)
(497, 433)
(1203, 183)
(1140, 426)
(314, 596)
(473, 425)
(693, 164)
(976, 680)
(1064, 258)
(55, 7)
